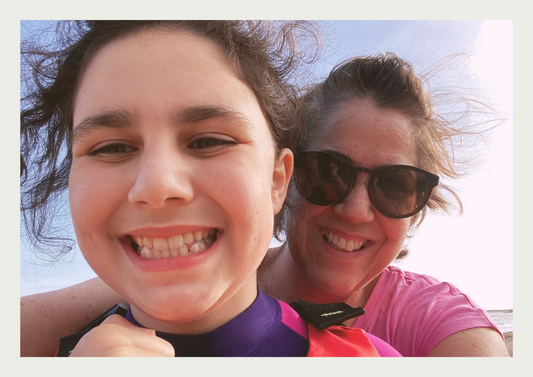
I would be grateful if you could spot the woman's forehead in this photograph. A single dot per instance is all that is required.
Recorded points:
(365, 132)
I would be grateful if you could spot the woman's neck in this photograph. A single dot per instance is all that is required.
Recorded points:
(276, 269)
(279, 277)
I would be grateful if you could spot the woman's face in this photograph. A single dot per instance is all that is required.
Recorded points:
(174, 180)
(368, 137)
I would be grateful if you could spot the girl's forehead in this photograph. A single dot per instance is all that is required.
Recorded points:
(160, 69)
(163, 48)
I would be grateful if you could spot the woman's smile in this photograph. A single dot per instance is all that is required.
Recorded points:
(342, 242)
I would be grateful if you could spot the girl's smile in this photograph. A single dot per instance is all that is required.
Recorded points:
(190, 243)
(171, 242)
(178, 252)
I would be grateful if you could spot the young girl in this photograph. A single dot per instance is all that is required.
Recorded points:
(177, 137)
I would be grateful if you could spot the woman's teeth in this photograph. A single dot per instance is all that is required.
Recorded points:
(340, 243)
(176, 246)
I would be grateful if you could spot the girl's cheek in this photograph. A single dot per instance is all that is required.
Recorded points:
(89, 195)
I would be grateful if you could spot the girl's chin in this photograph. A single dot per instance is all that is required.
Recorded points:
(185, 314)
(169, 319)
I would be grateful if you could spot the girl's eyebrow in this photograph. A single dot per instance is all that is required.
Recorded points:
(195, 114)
(122, 118)
(106, 119)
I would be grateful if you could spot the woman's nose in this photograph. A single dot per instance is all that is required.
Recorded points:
(357, 207)
(162, 178)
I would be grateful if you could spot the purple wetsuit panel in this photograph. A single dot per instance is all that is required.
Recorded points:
(258, 331)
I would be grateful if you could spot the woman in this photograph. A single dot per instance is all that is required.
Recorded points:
(306, 267)
(373, 113)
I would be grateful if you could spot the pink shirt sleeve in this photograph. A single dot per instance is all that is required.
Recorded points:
(414, 312)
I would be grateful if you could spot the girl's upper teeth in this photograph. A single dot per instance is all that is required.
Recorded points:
(175, 246)
(341, 243)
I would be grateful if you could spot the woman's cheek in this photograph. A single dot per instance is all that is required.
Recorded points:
(396, 231)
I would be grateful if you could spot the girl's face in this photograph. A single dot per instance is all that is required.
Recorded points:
(368, 137)
(174, 180)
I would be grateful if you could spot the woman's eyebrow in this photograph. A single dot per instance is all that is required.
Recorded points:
(106, 119)
(337, 153)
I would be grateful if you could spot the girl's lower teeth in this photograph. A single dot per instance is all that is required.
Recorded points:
(184, 250)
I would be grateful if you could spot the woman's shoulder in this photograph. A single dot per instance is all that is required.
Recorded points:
(395, 283)
(394, 274)
(405, 303)
(411, 291)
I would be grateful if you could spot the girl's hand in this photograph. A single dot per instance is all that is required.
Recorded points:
(116, 337)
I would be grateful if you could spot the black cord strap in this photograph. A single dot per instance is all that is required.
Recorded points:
(325, 315)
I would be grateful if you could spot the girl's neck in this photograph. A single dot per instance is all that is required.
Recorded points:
(208, 321)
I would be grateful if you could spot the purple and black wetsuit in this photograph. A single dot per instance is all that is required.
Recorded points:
(267, 328)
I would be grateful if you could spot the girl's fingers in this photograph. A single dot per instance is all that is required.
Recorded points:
(116, 319)
(116, 337)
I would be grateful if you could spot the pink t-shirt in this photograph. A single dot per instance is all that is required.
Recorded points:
(413, 312)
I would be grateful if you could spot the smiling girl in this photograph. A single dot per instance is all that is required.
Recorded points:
(178, 161)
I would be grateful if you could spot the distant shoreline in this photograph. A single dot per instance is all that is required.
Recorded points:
(500, 311)
(504, 321)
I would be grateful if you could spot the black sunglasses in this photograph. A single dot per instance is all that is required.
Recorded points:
(397, 191)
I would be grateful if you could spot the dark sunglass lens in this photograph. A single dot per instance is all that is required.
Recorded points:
(398, 191)
(320, 178)
(305, 173)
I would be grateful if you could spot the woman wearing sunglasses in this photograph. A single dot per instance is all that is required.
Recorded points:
(364, 176)
(366, 173)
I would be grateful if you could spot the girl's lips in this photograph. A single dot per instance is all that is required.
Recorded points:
(178, 245)
(165, 232)
(161, 260)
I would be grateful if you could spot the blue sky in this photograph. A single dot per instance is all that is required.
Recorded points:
(474, 252)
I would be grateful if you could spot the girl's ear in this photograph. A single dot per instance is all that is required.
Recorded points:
(281, 178)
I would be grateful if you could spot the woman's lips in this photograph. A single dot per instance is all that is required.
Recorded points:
(339, 243)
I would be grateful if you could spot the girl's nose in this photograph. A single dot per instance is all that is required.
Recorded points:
(163, 177)
(357, 207)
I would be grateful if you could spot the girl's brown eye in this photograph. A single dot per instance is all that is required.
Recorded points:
(113, 149)
(207, 142)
